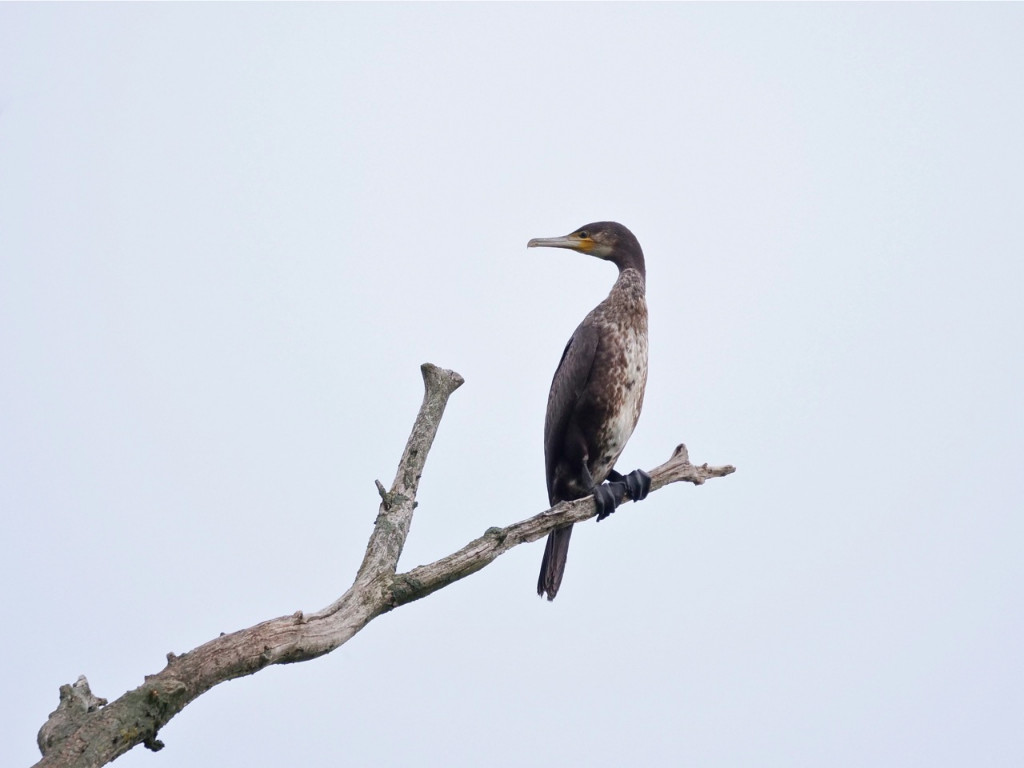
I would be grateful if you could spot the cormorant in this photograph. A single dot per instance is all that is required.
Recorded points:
(597, 392)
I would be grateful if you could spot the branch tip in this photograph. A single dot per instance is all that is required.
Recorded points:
(76, 703)
(440, 378)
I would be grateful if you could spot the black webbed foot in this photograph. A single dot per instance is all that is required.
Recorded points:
(607, 497)
(637, 483)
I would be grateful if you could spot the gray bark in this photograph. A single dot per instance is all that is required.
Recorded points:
(85, 731)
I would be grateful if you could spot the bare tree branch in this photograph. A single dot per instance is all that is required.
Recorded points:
(421, 581)
(396, 507)
(86, 732)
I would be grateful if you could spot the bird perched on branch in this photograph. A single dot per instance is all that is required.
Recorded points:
(597, 392)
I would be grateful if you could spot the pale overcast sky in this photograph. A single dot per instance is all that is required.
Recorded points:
(229, 235)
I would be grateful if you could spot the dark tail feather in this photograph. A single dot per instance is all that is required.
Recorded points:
(553, 565)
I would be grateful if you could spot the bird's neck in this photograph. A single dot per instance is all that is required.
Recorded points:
(630, 286)
(631, 259)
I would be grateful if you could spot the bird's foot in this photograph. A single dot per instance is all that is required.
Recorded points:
(637, 482)
(607, 497)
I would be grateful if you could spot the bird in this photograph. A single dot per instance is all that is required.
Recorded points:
(597, 392)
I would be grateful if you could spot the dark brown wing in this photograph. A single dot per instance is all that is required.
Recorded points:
(569, 383)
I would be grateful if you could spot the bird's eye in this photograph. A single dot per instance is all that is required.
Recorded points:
(583, 234)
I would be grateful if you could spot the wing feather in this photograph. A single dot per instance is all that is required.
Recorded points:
(567, 387)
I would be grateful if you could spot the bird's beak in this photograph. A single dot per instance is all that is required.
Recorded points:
(568, 241)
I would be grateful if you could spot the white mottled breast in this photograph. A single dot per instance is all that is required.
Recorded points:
(623, 359)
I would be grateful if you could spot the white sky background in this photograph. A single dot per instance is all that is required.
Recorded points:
(229, 235)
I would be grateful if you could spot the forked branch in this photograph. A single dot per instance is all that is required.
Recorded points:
(86, 731)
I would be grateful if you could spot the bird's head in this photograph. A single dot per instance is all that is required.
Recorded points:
(606, 240)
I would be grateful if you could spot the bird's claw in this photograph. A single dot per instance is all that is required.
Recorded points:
(638, 485)
(607, 497)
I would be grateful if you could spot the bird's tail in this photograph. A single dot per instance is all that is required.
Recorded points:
(553, 565)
